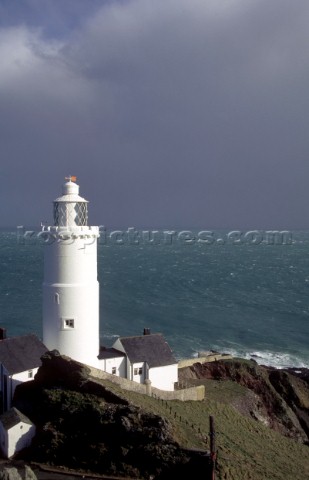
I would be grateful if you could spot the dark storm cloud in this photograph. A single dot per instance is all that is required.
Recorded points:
(53, 17)
(169, 112)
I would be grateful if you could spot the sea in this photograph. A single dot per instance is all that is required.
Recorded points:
(246, 298)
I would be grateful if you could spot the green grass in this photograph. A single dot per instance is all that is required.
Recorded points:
(225, 391)
(247, 450)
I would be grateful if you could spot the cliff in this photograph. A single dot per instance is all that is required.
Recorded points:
(277, 398)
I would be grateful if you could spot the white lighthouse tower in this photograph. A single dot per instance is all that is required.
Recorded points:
(71, 288)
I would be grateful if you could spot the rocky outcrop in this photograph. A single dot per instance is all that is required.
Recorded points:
(295, 392)
(11, 473)
(281, 398)
(83, 425)
(63, 372)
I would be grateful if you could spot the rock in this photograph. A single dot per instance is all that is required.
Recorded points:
(302, 373)
(10, 473)
(295, 392)
(29, 473)
(61, 370)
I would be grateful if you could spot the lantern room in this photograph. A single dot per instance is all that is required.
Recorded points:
(70, 210)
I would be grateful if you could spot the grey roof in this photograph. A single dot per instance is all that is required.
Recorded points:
(12, 417)
(106, 352)
(152, 349)
(18, 354)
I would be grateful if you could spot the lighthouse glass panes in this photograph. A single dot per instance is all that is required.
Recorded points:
(70, 214)
(56, 213)
(81, 214)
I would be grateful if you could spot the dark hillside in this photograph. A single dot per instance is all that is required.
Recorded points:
(83, 424)
(143, 437)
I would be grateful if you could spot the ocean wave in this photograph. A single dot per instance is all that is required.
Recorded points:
(270, 359)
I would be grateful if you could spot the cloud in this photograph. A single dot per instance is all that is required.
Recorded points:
(170, 112)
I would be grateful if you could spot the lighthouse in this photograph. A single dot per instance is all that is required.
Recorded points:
(70, 287)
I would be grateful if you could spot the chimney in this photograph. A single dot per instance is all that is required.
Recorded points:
(2, 333)
(146, 331)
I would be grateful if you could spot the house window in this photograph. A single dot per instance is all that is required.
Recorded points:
(30, 373)
(138, 371)
(114, 370)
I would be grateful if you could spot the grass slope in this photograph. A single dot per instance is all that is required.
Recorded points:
(247, 450)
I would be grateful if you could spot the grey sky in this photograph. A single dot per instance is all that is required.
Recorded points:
(174, 113)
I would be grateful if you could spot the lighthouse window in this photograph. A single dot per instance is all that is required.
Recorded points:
(81, 213)
(69, 323)
(57, 298)
(56, 213)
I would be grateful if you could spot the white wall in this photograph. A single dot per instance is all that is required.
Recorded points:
(107, 365)
(24, 376)
(19, 437)
(164, 377)
(118, 346)
(12, 382)
(16, 438)
(18, 378)
(71, 292)
(161, 377)
(138, 378)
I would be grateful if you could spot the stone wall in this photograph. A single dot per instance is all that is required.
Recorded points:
(192, 393)
(188, 362)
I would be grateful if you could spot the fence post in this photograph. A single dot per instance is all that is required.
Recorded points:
(148, 387)
(213, 456)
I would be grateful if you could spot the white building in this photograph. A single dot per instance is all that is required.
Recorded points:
(71, 301)
(140, 358)
(16, 432)
(113, 361)
(71, 288)
(71, 322)
(20, 358)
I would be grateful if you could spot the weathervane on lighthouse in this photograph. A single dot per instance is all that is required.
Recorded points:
(70, 287)
(71, 178)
